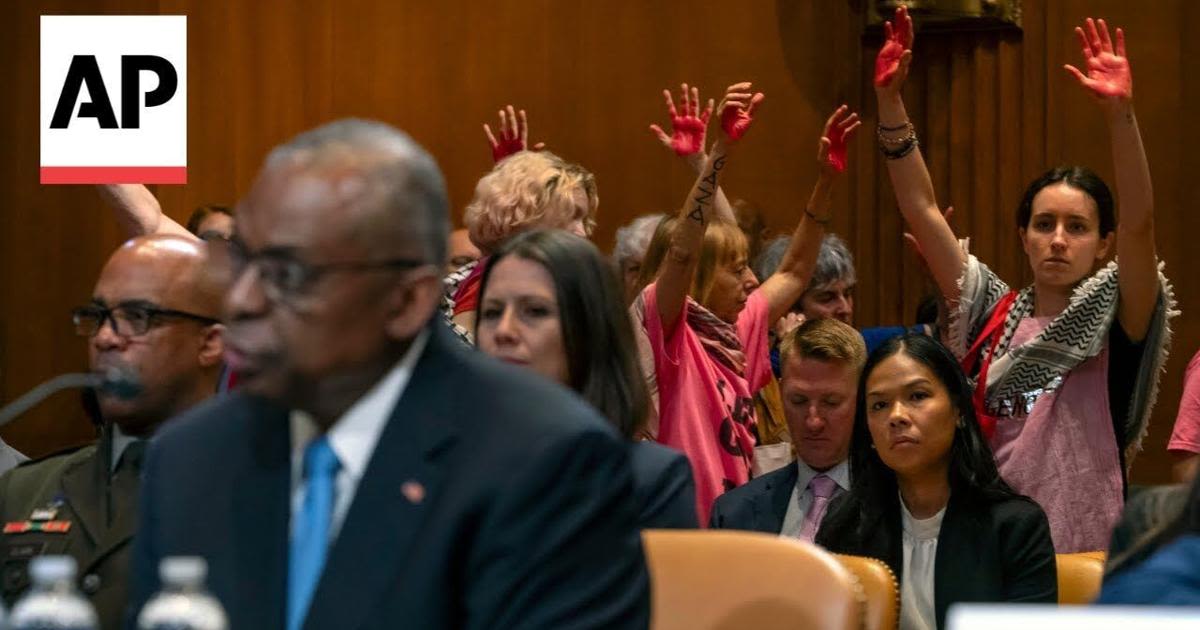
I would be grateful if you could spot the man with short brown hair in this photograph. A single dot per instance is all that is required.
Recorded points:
(822, 360)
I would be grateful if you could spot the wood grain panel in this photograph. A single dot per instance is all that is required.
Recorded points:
(993, 110)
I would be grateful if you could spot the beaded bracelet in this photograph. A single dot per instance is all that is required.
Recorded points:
(896, 154)
(908, 137)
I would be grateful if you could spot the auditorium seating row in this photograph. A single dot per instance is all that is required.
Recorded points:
(726, 580)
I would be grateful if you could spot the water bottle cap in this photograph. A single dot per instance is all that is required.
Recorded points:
(49, 569)
(183, 570)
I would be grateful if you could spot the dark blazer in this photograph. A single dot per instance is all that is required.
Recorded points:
(758, 505)
(75, 485)
(525, 519)
(663, 485)
(997, 552)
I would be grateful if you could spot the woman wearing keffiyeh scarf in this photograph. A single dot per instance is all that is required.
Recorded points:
(1066, 370)
(706, 317)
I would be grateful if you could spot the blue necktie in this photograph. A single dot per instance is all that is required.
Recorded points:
(310, 531)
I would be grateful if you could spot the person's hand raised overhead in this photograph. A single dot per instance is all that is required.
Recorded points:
(832, 148)
(737, 111)
(689, 127)
(891, 64)
(514, 135)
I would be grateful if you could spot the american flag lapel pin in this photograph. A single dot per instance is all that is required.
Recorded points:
(413, 491)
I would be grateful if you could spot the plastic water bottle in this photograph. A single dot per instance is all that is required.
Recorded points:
(53, 603)
(183, 603)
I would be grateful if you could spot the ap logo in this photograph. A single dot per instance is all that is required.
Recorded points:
(114, 99)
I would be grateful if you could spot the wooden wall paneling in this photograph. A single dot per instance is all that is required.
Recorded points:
(1009, 142)
(984, 142)
(1178, 246)
(1034, 132)
(992, 110)
(51, 245)
(1158, 65)
(212, 93)
(934, 121)
(872, 194)
(1155, 40)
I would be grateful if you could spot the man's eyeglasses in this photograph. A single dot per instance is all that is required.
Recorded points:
(129, 320)
(285, 277)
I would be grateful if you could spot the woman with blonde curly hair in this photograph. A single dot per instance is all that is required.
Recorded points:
(530, 189)
(526, 190)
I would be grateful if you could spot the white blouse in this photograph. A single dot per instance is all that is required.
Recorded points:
(916, 588)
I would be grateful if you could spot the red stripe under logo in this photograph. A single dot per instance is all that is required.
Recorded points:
(114, 175)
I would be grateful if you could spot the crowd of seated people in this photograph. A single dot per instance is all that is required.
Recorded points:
(535, 404)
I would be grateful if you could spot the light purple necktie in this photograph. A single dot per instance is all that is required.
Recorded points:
(822, 488)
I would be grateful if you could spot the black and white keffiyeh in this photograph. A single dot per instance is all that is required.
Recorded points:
(1017, 377)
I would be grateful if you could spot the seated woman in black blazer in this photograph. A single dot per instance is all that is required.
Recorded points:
(551, 302)
(925, 496)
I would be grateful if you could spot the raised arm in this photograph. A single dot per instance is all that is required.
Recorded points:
(514, 134)
(679, 265)
(1110, 82)
(788, 282)
(138, 211)
(689, 130)
(905, 164)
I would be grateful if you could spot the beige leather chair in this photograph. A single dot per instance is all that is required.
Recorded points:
(1079, 576)
(880, 591)
(732, 580)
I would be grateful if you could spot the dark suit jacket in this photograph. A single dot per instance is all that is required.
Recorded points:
(663, 485)
(998, 552)
(526, 519)
(759, 505)
(79, 482)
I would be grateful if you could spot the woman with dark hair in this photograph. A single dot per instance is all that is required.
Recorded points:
(551, 302)
(925, 496)
(211, 221)
(1066, 369)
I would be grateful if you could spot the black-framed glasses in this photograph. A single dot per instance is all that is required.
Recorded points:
(129, 320)
(285, 277)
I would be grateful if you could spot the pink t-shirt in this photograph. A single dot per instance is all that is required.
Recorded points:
(1186, 435)
(706, 409)
(1064, 453)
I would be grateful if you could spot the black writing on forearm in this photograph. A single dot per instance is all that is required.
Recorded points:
(705, 191)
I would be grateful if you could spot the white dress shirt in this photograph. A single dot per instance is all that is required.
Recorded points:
(802, 496)
(353, 437)
(920, 552)
(120, 442)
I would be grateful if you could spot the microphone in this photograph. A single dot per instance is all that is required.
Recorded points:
(116, 381)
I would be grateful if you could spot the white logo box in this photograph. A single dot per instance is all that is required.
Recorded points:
(85, 152)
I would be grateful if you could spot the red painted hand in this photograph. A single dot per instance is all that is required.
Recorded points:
(514, 135)
(839, 128)
(737, 111)
(1108, 75)
(689, 128)
(892, 61)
